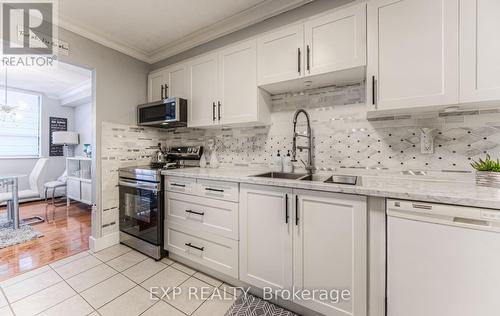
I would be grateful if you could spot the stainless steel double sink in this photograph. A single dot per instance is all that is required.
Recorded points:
(335, 179)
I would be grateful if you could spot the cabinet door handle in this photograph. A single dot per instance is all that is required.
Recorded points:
(178, 185)
(298, 60)
(162, 87)
(308, 58)
(373, 90)
(286, 209)
(166, 91)
(215, 190)
(213, 111)
(193, 212)
(297, 210)
(197, 248)
(218, 108)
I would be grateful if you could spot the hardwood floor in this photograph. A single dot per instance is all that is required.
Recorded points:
(65, 236)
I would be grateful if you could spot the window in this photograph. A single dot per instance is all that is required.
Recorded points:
(19, 124)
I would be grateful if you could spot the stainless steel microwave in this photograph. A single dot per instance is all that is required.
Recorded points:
(166, 113)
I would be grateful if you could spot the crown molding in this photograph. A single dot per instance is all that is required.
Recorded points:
(252, 15)
(103, 40)
(77, 95)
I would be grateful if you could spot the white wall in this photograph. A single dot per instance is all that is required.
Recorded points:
(55, 165)
(83, 125)
(119, 85)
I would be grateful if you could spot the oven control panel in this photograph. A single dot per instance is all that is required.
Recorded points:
(185, 152)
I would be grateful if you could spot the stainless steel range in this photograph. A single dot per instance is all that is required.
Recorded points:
(141, 209)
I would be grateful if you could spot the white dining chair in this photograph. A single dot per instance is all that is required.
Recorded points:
(35, 184)
(33, 193)
(51, 187)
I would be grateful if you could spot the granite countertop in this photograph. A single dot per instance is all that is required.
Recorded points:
(436, 188)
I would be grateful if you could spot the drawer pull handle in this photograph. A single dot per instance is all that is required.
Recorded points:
(178, 185)
(197, 213)
(197, 248)
(215, 190)
(422, 206)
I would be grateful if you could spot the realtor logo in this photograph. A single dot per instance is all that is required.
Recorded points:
(27, 28)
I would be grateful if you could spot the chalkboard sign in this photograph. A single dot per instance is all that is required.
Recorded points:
(57, 124)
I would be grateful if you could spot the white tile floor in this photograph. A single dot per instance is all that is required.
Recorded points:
(115, 281)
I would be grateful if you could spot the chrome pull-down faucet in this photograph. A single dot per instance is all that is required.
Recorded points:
(309, 165)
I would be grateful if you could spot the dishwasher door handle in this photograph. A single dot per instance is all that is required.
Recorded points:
(422, 206)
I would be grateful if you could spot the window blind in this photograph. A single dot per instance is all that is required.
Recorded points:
(19, 124)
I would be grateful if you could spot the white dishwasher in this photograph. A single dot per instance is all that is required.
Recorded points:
(442, 260)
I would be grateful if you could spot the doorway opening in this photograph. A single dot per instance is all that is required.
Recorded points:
(47, 142)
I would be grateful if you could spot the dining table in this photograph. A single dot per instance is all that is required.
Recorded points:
(12, 180)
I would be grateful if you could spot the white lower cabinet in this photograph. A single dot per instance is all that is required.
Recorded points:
(306, 240)
(283, 239)
(181, 184)
(203, 214)
(214, 252)
(201, 222)
(265, 236)
(330, 250)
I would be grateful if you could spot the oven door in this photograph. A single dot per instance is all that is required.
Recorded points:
(165, 111)
(140, 210)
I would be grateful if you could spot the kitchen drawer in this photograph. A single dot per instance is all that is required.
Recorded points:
(180, 184)
(203, 214)
(214, 252)
(222, 190)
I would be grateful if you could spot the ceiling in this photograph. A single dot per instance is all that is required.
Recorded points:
(151, 30)
(58, 82)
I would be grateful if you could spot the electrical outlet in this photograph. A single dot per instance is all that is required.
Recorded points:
(427, 141)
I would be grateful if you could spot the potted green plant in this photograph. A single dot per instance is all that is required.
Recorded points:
(487, 172)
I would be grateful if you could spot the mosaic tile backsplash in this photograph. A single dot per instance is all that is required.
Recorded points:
(342, 137)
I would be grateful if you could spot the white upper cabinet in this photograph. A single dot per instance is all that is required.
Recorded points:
(238, 83)
(281, 55)
(330, 249)
(479, 50)
(321, 45)
(177, 84)
(336, 41)
(266, 236)
(170, 82)
(412, 53)
(156, 86)
(203, 91)
(223, 88)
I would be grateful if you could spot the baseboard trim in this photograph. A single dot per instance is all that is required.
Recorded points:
(97, 244)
